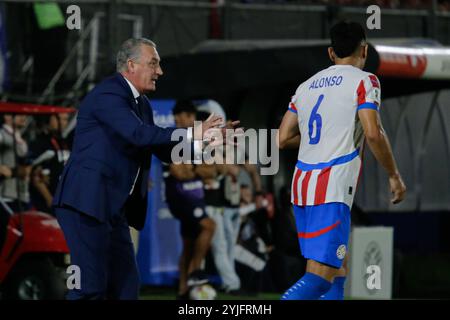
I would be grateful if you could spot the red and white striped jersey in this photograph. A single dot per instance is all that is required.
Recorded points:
(329, 159)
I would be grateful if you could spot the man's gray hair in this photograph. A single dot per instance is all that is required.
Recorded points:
(130, 50)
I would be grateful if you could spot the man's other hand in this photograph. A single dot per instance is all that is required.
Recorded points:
(398, 188)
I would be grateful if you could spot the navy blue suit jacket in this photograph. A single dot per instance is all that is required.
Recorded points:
(112, 140)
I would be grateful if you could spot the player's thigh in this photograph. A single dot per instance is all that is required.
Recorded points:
(300, 216)
(325, 235)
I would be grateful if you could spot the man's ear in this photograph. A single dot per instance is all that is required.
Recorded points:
(130, 65)
(331, 54)
(364, 51)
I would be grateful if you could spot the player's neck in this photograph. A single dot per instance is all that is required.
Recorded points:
(351, 61)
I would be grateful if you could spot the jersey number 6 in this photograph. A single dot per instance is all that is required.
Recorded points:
(315, 117)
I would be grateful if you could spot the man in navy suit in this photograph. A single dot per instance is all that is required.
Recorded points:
(103, 188)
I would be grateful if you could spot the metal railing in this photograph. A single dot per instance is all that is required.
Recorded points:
(88, 71)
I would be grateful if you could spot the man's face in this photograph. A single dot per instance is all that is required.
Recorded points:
(59, 122)
(144, 71)
(20, 121)
(184, 119)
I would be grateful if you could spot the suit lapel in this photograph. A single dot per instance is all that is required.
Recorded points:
(134, 105)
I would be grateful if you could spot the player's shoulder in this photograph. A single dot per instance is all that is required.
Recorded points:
(370, 79)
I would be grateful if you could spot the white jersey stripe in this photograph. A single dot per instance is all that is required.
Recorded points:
(312, 186)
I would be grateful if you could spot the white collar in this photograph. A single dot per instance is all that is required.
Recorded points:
(133, 89)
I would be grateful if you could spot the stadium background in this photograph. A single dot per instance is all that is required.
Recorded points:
(250, 56)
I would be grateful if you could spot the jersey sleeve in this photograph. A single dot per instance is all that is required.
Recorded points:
(294, 104)
(369, 93)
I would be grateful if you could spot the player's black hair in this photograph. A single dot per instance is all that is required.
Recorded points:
(184, 106)
(346, 37)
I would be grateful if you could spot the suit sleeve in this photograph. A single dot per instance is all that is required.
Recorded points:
(163, 153)
(114, 112)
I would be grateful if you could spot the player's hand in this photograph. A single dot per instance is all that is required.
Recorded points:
(398, 188)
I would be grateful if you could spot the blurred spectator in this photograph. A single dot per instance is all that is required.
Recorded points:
(185, 198)
(14, 185)
(255, 241)
(217, 198)
(230, 222)
(50, 152)
(5, 172)
(213, 178)
(231, 217)
(285, 262)
(12, 176)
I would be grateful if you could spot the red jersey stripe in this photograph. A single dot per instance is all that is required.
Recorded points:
(321, 186)
(295, 185)
(374, 81)
(361, 91)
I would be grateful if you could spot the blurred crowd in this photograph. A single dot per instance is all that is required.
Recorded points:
(33, 151)
(29, 175)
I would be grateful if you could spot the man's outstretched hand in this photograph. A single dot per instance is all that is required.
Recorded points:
(223, 135)
(213, 121)
(213, 132)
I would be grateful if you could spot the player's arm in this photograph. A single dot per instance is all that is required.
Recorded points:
(369, 96)
(293, 142)
(381, 148)
(288, 133)
(182, 171)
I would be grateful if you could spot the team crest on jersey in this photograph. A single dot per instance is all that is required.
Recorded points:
(374, 95)
(341, 251)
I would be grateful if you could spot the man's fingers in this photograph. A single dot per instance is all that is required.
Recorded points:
(210, 116)
(395, 199)
(214, 122)
(232, 124)
(398, 196)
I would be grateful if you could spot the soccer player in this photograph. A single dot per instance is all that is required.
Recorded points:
(329, 116)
